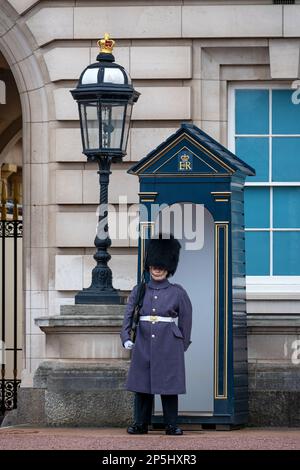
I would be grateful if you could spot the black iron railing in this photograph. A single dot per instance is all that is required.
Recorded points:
(10, 232)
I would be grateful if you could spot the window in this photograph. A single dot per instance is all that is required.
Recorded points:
(265, 132)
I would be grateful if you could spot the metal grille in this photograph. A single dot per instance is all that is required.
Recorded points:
(284, 2)
(11, 231)
(8, 394)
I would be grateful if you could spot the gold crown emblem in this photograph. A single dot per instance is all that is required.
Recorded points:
(106, 45)
(184, 158)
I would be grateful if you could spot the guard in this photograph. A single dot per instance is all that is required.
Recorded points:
(157, 362)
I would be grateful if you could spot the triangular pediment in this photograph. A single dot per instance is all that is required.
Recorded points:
(185, 158)
(190, 152)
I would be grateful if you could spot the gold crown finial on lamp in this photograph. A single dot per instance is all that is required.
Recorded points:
(106, 45)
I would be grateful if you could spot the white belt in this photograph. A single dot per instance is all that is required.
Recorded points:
(155, 318)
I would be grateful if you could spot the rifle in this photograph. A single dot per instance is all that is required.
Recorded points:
(138, 305)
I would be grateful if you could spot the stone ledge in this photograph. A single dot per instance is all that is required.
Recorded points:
(84, 317)
(85, 393)
(71, 321)
(79, 309)
(68, 393)
(84, 332)
(96, 368)
(274, 377)
(274, 321)
(288, 295)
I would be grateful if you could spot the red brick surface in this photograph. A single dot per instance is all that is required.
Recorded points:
(117, 439)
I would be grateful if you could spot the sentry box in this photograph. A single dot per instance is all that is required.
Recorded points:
(194, 187)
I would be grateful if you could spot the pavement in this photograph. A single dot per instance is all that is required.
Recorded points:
(30, 438)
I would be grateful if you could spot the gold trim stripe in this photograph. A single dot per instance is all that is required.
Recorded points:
(147, 196)
(148, 193)
(184, 175)
(220, 193)
(218, 227)
(221, 196)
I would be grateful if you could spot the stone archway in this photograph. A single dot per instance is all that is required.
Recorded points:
(19, 52)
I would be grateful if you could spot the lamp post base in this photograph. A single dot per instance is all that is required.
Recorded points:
(96, 296)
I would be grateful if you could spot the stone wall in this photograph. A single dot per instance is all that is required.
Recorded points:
(274, 366)
(182, 57)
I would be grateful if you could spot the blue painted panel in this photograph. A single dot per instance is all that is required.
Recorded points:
(252, 111)
(257, 253)
(172, 189)
(286, 254)
(286, 159)
(285, 114)
(191, 190)
(286, 213)
(220, 386)
(255, 152)
(257, 207)
(185, 157)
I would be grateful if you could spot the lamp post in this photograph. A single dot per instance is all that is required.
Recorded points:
(105, 98)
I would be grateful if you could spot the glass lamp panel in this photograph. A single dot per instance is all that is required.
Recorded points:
(112, 120)
(126, 126)
(90, 125)
(90, 76)
(113, 75)
(82, 116)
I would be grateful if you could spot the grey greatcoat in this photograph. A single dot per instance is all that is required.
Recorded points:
(157, 362)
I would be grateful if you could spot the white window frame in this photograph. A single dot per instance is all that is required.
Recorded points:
(280, 287)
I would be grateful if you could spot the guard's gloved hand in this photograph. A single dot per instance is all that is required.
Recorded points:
(128, 344)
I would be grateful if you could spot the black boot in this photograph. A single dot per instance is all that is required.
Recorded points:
(137, 428)
(173, 430)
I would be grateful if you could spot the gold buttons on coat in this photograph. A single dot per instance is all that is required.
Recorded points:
(153, 336)
(155, 296)
(153, 310)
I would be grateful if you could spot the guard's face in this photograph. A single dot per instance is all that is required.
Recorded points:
(158, 273)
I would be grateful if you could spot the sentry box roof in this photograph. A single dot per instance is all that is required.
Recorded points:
(206, 157)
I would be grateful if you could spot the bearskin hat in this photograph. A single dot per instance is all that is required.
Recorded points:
(163, 251)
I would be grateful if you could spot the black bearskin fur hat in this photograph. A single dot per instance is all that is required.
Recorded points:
(163, 252)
